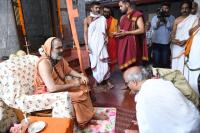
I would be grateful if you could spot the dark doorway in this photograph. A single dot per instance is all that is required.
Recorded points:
(39, 21)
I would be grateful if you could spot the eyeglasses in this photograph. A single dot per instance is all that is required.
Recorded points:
(126, 83)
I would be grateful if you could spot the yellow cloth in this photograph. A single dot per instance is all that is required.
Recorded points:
(179, 81)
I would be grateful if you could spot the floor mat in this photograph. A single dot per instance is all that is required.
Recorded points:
(106, 126)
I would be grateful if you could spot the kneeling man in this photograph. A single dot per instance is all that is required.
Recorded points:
(160, 106)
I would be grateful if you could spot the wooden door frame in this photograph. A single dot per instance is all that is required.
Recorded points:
(53, 8)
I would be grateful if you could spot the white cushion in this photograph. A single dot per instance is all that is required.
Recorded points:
(16, 78)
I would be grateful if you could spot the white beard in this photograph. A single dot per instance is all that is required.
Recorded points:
(56, 57)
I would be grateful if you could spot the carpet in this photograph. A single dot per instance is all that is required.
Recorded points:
(105, 126)
(124, 118)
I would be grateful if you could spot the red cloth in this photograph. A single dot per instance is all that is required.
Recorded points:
(132, 49)
(112, 43)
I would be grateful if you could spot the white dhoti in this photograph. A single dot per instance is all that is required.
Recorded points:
(162, 108)
(97, 45)
(192, 67)
(182, 33)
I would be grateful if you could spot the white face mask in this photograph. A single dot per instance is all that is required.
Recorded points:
(94, 16)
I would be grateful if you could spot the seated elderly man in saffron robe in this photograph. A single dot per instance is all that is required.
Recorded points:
(160, 106)
(50, 76)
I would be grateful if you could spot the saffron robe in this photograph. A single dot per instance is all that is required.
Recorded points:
(112, 42)
(83, 108)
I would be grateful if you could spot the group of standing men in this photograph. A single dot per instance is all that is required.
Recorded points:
(109, 42)
(173, 41)
(185, 49)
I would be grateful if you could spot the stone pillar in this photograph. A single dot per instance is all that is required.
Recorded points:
(80, 5)
(79, 21)
(9, 42)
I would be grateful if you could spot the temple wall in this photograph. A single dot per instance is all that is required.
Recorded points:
(9, 42)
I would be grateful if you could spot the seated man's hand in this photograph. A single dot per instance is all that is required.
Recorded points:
(84, 80)
(76, 83)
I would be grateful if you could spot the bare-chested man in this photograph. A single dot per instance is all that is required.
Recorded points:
(180, 34)
(132, 50)
(50, 77)
(95, 37)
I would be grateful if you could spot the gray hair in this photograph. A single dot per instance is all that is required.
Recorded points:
(144, 74)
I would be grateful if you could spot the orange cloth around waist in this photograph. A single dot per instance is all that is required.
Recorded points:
(82, 104)
(54, 125)
(80, 98)
(112, 26)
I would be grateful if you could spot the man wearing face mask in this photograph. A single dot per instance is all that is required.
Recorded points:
(180, 35)
(162, 25)
(95, 37)
(112, 43)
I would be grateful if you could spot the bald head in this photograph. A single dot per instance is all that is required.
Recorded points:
(132, 73)
(135, 76)
(138, 73)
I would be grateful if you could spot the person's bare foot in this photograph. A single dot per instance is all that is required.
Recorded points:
(101, 116)
(131, 131)
(93, 122)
